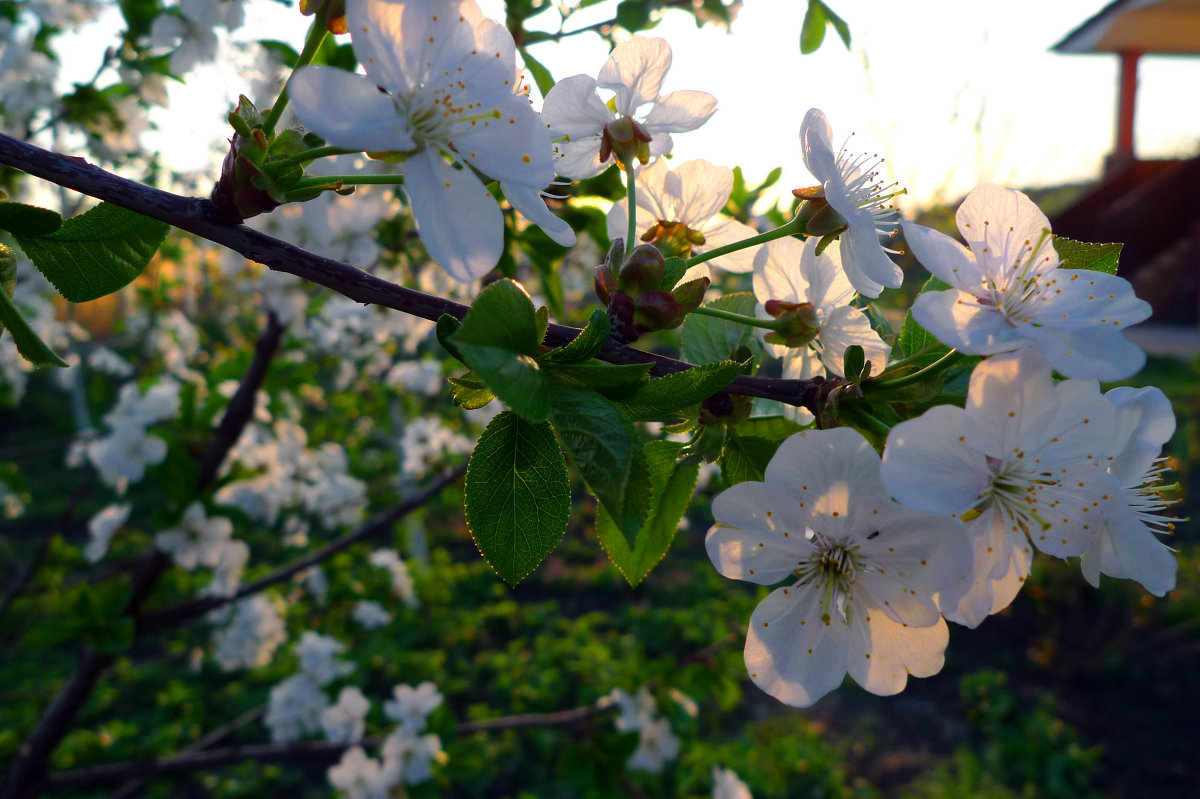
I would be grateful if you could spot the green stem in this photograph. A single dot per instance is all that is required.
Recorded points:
(768, 324)
(867, 419)
(789, 229)
(631, 194)
(906, 360)
(941, 364)
(346, 180)
(312, 43)
(274, 168)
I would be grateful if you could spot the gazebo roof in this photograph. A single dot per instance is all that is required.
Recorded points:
(1166, 27)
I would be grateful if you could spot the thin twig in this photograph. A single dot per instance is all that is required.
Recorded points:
(380, 523)
(193, 215)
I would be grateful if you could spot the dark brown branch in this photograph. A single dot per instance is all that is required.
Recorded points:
(193, 215)
(309, 752)
(380, 523)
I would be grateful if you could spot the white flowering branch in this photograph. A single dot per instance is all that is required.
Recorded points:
(193, 214)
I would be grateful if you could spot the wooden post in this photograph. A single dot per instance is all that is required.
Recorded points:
(1127, 94)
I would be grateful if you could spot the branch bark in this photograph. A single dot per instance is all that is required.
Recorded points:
(193, 215)
(380, 523)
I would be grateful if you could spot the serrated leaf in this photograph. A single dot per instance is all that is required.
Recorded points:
(707, 339)
(469, 393)
(542, 317)
(29, 345)
(606, 449)
(612, 380)
(775, 428)
(674, 270)
(663, 397)
(95, 253)
(516, 379)
(853, 361)
(746, 458)
(28, 220)
(671, 488)
(517, 495)
(1084, 255)
(589, 341)
(503, 317)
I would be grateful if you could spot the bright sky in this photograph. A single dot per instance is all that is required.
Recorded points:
(950, 92)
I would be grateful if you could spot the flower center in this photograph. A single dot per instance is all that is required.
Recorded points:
(673, 239)
(832, 570)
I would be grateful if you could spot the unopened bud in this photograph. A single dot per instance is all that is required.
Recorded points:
(606, 284)
(625, 139)
(656, 310)
(797, 323)
(643, 270)
(333, 12)
(818, 218)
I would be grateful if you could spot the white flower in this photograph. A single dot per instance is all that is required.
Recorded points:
(680, 210)
(198, 540)
(854, 190)
(317, 655)
(790, 271)
(102, 527)
(426, 441)
(448, 79)
(402, 582)
(657, 746)
(159, 403)
(1009, 292)
(294, 708)
(634, 71)
(864, 568)
(122, 456)
(357, 776)
(103, 359)
(370, 614)
(255, 630)
(1127, 545)
(1026, 456)
(345, 721)
(727, 785)
(412, 706)
(409, 759)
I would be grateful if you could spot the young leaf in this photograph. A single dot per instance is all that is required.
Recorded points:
(516, 379)
(663, 397)
(812, 31)
(746, 458)
(32, 348)
(1083, 255)
(96, 253)
(469, 393)
(517, 495)
(589, 341)
(707, 339)
(671, 487)
(610, 379)
(914, 338)
(606, 448)
(28, 220)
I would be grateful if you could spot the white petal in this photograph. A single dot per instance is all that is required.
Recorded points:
(897, 651)
(459, 221)
(790, 653)
(957, 319)
(530, 204)
(679, 112)
(816, 142)
(927, 466)
(1100, 353)
(580, 159)
(635, 71)
(704, 189)
(777, 274)
(572, 108)
(348, 110)
(1134, 552)
(845, 327)
(828, 285)
(1010, 401)
(1003, 220)
(759, 535)
(943, 257)
(728, 231)
(867, 264)
(1088, 298)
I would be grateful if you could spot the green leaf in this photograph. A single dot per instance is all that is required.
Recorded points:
(502, 317)
(853, 362)
(633, 15)
(671, 487)
(674, 271)
(470, 393)
(812, 32)
(914, 338)
(839, 25)
(542, 317)
(1083, 255)
(746, 458)
(610, 379)
(607, 450)
(28, 220)
(96, 253)
(517, 495)
(589, 341)
(707, 339)
(775, 428)
(516, 379)
(663, 397)
(541, 75)
(31, 347)
(447, 326)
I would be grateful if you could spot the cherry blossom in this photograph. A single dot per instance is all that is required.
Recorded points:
(358, 776)
(862, 570)
(345, 720)
(634, 71)
(441, 82)
(318, 658)
(1009, 291)
(254, 631)
(102, 527)
(1128, 544)
(788, 272)
(853, 189)
(679, 212)
(1023, 458)
(198, 540)
(409, 758)
(727, 785)
(411, 706)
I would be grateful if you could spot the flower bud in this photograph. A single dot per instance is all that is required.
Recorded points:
(643, 270)
(673, 238)
(606, 284)
(798, 323)
(333, 12)
(625, 139)
(656, 310)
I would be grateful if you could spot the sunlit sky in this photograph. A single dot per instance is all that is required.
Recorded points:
(950, 92)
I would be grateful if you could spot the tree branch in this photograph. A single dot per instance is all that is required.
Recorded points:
(193, 215)
(380, 523)
(309, 752)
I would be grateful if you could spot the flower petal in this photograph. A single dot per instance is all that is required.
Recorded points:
(895, 651)
(845, 327)
(867, 265)
(1006, 222)
(927, 466)
(531, 205)
(790, 653)
(635, 71)
(679, 112)
(572, 108)
(516, 147)
(816, 142)
(459, 221)
(348, 110)
(728, 231)
(704, 190)
(580, 159)
(1097, 353)
(957, 319)
(943, 257)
